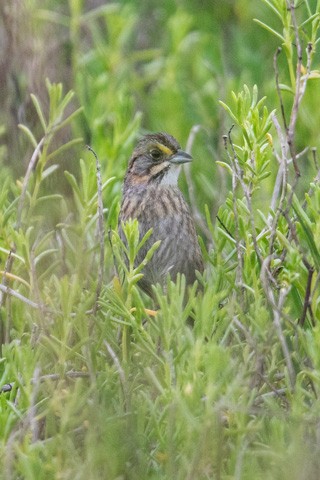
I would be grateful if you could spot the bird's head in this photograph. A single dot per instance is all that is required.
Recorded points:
(156, 160)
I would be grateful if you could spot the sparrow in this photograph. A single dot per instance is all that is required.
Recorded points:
(152, 196)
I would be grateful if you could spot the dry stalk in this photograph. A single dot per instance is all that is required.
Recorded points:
(277, 308)
(26, 180)
(13, 293)
(44, 308)
(300, 91)
(300, 87)
(245, 331)
(32, 412)
(35, 285)
(122, 375)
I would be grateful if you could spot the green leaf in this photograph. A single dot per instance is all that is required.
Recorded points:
(224, 165)
(307, 227)
(65, 146)
(37, 106)
(48, 171)
(48, 198)
(269, 29)
(228, 109)
(29, 135)
(285, 88)
(74, 184)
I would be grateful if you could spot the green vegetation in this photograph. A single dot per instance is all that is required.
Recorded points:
(93, 385)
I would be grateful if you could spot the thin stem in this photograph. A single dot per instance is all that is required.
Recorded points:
(307, 297)
(101, 230)
(13, 293)
(235, 212)
(277, 308)
(26, 180)
(276, 70)
(283, 177)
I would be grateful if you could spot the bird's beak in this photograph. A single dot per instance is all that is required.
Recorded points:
(180, 157)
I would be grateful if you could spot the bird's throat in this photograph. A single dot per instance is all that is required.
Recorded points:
(170, 177)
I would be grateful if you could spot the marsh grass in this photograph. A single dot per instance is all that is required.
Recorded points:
(93, 383)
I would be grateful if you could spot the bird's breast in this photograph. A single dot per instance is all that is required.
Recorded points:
(164, 209)
(153, 203)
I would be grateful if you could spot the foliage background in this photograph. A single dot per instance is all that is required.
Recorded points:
(100, 392)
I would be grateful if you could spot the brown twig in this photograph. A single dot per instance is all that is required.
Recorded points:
(224, 227)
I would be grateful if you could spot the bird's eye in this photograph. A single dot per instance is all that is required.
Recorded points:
(155, 154)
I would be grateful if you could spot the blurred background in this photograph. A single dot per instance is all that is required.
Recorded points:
(134, 67)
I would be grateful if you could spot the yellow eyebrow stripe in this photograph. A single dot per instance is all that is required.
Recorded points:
(164, 149)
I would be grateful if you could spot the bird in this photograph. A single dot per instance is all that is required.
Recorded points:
(152, 196)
